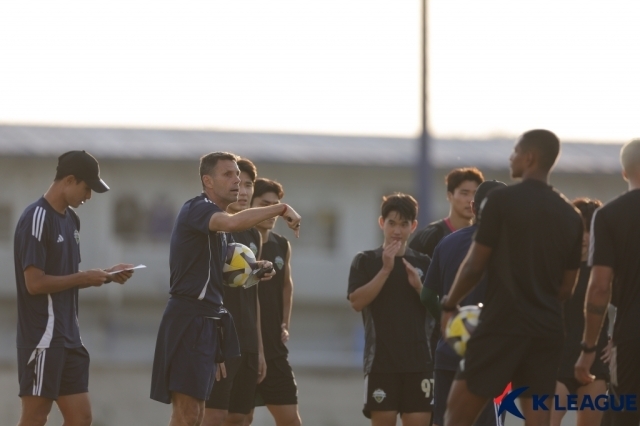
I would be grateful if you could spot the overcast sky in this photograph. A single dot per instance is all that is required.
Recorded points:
(497, 67)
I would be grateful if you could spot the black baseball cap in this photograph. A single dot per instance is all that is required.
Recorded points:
(84, 167)
(484, 189)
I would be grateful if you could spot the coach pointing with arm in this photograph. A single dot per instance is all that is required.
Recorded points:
(197, 332)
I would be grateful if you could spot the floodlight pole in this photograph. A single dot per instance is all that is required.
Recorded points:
(424, 172)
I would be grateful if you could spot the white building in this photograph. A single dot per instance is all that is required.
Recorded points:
(335, 182)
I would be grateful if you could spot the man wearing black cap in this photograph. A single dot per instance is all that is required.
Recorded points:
(447, 257)
(53, 364)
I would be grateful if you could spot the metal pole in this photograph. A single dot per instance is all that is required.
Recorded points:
(424, 172)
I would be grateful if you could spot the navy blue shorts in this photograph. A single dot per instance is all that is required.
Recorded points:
(53, 372)
(236, 392)
(193, 365)
(279, 386)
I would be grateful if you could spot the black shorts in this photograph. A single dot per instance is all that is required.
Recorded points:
(494, 360)
(53, 372)
(401, 392)
(279, 386)
(193, 367)
(572, 384)
(236, 392)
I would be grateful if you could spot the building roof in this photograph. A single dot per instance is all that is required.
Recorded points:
(282, 148)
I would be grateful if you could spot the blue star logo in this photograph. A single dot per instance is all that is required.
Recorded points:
(508, 403)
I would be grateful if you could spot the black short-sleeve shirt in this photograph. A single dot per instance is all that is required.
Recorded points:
(536, 235)
(196, 254)
(615, 242)
(49, 241)
(395, 322)
(275, 249)
(425, 240)
(242, 302)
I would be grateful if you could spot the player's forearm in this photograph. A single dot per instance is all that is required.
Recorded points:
(430, 300)
(245, 219)
(46, 284)
(569, 281)
(363, 296)
(259, 323)
(596, 308)
(287, 302)
(466, 278)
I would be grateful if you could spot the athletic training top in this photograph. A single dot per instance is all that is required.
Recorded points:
(615, 242)
(395, 321)
(241, 302)
(196, 254)
(425, 240)
(49, 241)
(447, 258)
(536, 235)
(274, 250)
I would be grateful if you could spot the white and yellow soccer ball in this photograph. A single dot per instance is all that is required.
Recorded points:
(461, 326)
(238, 265)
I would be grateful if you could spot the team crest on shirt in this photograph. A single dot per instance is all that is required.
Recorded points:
(76, 235)
(279, 262)
(420, 272)
(253, 248)
(379, 395)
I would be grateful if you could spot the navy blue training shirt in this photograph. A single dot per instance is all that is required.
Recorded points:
(196, 254)
(49, 241)
(447, 258)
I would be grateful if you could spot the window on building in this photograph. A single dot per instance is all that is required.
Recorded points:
(319, 230)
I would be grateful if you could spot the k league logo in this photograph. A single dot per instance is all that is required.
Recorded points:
(573, 402)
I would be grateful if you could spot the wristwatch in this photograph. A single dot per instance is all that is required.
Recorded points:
(586, 349)
(444, 308)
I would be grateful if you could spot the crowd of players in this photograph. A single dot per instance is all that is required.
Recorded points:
(220, 352)
(214, 361)
(545, 270)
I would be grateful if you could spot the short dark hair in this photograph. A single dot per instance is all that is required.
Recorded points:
(209, 161)
(456, 176)
(61, 175)
(404, 204)
(262, 186)
(587, 208)
(545, 142)
(249, 168)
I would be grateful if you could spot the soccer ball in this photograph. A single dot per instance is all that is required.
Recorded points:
(461, 326)
(238, 265)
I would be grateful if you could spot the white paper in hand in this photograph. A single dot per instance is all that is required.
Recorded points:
(128, 269)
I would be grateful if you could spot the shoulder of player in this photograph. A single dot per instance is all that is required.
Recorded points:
(280, 239)
(417, 257)
(366, 256)
(621, 202)
(35, 216)
(433, 230)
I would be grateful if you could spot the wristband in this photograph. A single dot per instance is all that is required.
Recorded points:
(586, 349)
(445, 308)
(286, 207)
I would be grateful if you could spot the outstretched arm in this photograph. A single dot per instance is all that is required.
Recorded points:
(225, 222)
